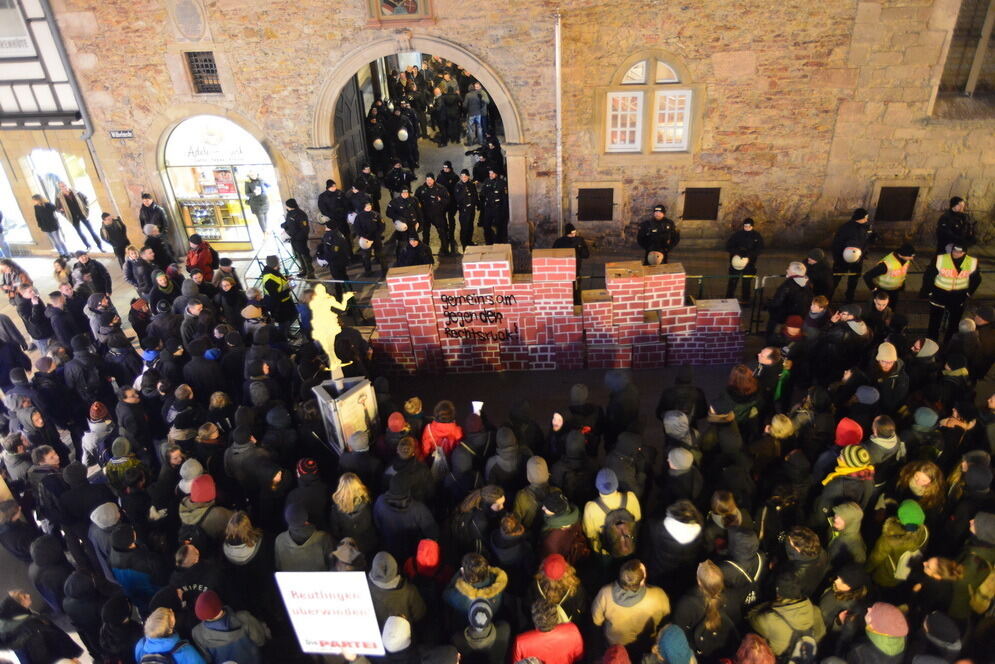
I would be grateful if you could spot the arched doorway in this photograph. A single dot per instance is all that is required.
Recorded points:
(221, 181)
(342, 76)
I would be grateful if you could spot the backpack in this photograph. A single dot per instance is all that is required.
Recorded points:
(907, 561)
(802, 648)
(162, 657)
(193, 533)
(751, 596)
(215, 259)
(618, 533)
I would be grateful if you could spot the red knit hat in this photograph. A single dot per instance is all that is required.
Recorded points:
(98, 412)
(208, 605)
(848, 432)
(554, 566)
(202, 489)
(427, 555)
(396, 422)
(307, 466)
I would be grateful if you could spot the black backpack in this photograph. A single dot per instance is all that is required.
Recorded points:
(162, 657)
(193, 533)
(215, 260)
(802, 649)
(618, 533)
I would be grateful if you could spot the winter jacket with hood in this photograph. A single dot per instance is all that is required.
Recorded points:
(672, 551)
(574, 472)
(33, 636)
(561, 645)
(185, 654)
(622, 412)
(357, 525)
(846, 546)
(629, 616)
(49, 570)
(742, 571)
(889, 547)
(391, 593)
(303, 548)
(460, 594)
(506, 468)
(212, 519)
(627, 463)
(808, 571)
(402, 522)
(234, 637)
(779, 621)
(82, 604)
(103, 520)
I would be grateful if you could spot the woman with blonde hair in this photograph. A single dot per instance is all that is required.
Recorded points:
(352, 514)
(701, 614)
(557, 583)
(161, 638)
(771, 446)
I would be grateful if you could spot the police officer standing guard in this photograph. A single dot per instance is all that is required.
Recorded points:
(954, 226)
(434, 199)
(658, 233)
(744, 247)
(889, 273)
(849, 247)
(494, 204)
(405, 212)
(948, 282)
(467, 202)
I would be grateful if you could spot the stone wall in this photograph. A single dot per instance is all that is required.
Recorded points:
(805, 108)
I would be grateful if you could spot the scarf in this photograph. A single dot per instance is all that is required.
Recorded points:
(169, 287)
(858, 472)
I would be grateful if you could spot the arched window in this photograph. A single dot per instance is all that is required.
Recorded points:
(649, 109)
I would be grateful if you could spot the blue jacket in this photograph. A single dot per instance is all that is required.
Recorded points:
(235, 637)
(185, 654)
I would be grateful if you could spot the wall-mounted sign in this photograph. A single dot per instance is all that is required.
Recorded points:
(122, 133)
(209, 140)
(14, 39)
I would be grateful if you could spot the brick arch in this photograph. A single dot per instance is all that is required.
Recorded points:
(322, 130)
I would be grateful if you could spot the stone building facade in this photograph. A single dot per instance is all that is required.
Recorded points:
(800, 110)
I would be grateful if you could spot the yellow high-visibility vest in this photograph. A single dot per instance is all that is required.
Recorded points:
(949, 278)
(894, 277)
(283, 285)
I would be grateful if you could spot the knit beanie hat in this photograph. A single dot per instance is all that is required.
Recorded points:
(98, 412)
(680, 459)
(208, 605)
(887, 353)
(428, 554)
(383, 571)
(556, 503)
(848, 432)
(295, 514)
(977, 477)
(116, 610)
(910, 514)
(854, 456)
(74, 474)
(359, 441)
(929, 348)
(854, 576)
(396, 422)
(984, 527)
(606, 481)
(578, 394)
(189, 471)
(673, 645)
(505, 438)
(942, 632)
(867, 395)
(121, 447)
(396, 634)
(202, 489)
(307, 466)
(536, 470)
(886, 628)
(554, 566)
(925, 417)
(480, 615)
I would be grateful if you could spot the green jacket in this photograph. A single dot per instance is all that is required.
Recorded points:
(977, 559)
(777, 622)
(893, 542)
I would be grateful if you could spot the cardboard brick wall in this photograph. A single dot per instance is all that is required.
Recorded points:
(495, 320)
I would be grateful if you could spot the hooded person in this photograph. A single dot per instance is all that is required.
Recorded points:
(482, 641)
(587, 417)
(885, 631)
(104, 518)
(683, 480)
(226, 635)
(419, 474)
(82, 604)
(574, 472)
(119, 629)
(742, 571)
(49, 570)
(622, 411)
(302, 547)
(428, 572)
(400, 520)
(673, 546)
(122, 459)
(397, 643)
(442, 432)
(505, 467)
(627, 461)
(791, 615)
(684, 396)
(609, 500)
(391, 593)
(30, 633)
(846, 545)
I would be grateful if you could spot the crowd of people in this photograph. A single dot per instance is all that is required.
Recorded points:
(832, 503)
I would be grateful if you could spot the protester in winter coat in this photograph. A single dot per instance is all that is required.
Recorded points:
(402, 521)
(742, 572)
(609, 499)
(482, 641)
(846, 546)
(34, 635)
(161, 637)
(702, 615)
(49, 570)
(791, 614)
(552, 641)
(302, 547)
(392, 594)
(120, 629)
(475, 580)
(673, 546)
(225, 635)
(885, 633)
(900, 535)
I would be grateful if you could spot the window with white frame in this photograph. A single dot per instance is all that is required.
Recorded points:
(625, 122)
(650, 94)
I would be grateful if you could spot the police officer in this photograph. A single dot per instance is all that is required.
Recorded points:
(494, 205)
(398, 178)
(954, 226)
(356, 199)
(405, 212)
(434, 199)
(332, 203)
(334, 250)
(849, 246)
(278, 298)
(298, 229)
(658, 233)
(889, 273)
(369, 183)
(744, 246)
(948, 282)
(448, 179)
(467, 202)
(369, 231)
